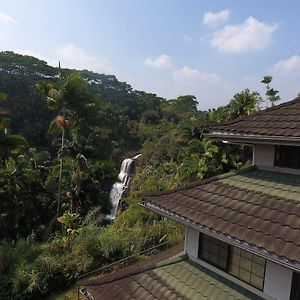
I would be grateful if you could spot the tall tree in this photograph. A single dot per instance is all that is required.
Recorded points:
(272, 95)
(77, 131)
(55, 100)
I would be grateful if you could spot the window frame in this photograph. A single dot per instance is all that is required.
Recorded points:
(229, 256)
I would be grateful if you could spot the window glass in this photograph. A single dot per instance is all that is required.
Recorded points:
(235, 261)
(244, 274)
(213, 251)
(287, 157)
(257, 269)
(247, 267)
(295, 291)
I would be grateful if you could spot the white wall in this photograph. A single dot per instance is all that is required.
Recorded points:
(263, 155)
(278, 281)
(191, 242)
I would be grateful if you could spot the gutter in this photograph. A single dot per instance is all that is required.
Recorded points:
(225, 238)
(253, 139)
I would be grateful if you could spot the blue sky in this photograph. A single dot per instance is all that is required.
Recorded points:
(211, 49)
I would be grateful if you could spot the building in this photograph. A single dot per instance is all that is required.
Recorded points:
(242, 229)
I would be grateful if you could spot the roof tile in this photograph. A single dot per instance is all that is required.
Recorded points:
(244, 206)
(172, 279)
(281, 120)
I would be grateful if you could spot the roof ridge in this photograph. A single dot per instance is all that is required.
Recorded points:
(202, 181)
(261, 112)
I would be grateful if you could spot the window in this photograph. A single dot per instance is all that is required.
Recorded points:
(213, 251)
(247, 267)
(287, 157)
(235, 261)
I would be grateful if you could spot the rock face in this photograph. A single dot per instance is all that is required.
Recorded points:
(119, 187)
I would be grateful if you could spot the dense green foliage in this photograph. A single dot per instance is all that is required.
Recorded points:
(63, 134)
(176, 152)
(29, 269)
(33, 183)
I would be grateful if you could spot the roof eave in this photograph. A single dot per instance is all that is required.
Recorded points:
(226, 238)
(243, 138)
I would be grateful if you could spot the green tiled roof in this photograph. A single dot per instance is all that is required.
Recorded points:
(282, 185)
(192, 281)
(175, 278)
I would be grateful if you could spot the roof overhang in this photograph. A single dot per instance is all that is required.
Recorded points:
(226, 238)
(244, 138)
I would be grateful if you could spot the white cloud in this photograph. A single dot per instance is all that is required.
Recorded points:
(7, 19)
(213, 19)
(288, 66)
(38, 55)
(73, 57)
(250, 35)
(161, 62)
(187, 39)
(189, 75)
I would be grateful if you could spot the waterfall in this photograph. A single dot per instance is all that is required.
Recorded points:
(120, 186)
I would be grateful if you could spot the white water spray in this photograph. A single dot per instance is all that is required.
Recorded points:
(119, 188)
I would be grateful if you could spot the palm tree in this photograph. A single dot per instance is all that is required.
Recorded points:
(56, 101)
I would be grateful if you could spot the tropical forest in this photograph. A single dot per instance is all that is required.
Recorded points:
(64, 134)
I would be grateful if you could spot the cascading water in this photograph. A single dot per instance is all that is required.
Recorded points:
(119, 188)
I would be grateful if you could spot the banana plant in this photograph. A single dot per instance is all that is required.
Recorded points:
(71, 222)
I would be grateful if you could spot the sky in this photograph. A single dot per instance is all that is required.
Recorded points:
(210, 49)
